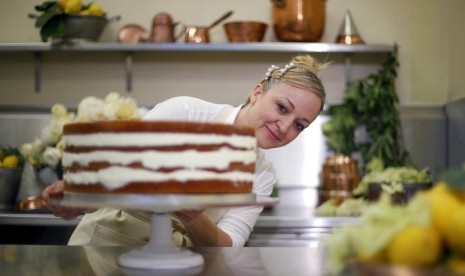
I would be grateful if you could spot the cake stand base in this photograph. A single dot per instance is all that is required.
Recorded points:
(161, 252)
(161, 258)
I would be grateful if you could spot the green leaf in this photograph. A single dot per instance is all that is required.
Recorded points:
(45, 17)
(46, 5)
(55, 27)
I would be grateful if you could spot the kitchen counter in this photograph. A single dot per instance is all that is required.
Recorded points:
(39, 227)
(266, 220)
(295, 228)
(77, 260)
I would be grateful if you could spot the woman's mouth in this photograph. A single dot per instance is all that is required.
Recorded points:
(273, 136)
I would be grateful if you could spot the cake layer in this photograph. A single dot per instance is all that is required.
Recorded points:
(111, 156)
(168, 187)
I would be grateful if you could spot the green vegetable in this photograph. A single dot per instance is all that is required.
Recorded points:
(392, 178)
(378, 225)
(369, 107)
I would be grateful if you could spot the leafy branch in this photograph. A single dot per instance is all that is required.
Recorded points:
(369, 106)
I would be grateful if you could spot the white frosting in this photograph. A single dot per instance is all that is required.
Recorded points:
(157, 139)
(191, 161)
(157, 159)
(115, 177)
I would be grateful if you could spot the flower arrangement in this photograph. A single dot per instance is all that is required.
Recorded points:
(48, 148)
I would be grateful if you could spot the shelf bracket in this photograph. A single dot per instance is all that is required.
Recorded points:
(129, 62)
(37, 71)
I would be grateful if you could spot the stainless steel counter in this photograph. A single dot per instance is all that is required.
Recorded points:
(34, 219)
(297, 228)
(76, 260)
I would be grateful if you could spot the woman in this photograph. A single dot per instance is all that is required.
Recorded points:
(279, 108)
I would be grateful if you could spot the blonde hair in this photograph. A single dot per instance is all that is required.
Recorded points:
(301, 72)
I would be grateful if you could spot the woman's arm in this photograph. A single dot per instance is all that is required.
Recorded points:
(66, 213)
(201, 230)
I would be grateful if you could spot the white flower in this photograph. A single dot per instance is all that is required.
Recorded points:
(49, 148)
(112, 97)
(90, 109)
(59, 110)
(141, 111)
(109, 110)
(32, 150)
(26, 150)
(37, 147)
(52, 132)
(51, 156)
(126, 109)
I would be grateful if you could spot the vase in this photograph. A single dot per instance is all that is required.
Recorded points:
(298, 20)
(340, 177)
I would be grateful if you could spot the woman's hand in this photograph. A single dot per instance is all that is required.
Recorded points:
(56, 190)
(187, 216)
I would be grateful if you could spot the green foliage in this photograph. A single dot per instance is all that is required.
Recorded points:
(369, 104)
(50, 21)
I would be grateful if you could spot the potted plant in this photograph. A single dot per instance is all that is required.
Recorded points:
(69, 19)
(367, 124)
(367, 121)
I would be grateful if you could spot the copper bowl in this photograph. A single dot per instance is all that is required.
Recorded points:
(245, 31)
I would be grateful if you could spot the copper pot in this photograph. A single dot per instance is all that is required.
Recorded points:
(164, 29)
(200, 34)
(197, 34)
(299, 20)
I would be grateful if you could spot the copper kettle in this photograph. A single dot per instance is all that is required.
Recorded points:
(299, 20)
(164, 29)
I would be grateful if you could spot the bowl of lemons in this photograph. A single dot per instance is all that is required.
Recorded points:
(11, 167)
(69, 20)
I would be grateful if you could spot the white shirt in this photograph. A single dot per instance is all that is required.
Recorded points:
(237, 222)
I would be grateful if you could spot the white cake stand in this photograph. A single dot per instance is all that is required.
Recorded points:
(161, 253)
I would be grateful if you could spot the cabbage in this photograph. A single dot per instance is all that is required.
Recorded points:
(378, 225)
(392, 179)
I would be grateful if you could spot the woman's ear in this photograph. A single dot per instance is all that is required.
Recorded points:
(256, 92)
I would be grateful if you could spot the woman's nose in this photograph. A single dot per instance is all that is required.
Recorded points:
(284, 124)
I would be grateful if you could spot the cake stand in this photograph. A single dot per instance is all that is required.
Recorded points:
(161, 253)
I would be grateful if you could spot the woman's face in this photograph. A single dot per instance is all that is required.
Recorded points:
(280, 114)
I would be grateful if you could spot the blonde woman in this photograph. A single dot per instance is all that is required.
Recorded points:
(285, 102)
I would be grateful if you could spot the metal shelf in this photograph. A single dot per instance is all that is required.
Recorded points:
(288, 47)
(129, 49)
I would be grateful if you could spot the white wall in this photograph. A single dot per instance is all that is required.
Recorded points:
(428, 32)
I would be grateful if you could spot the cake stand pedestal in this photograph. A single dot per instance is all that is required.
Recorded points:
(161, 253)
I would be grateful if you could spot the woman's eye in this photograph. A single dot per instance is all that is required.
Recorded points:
(299, 127)
(282, 108)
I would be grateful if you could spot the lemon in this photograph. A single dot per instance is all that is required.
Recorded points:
(443, 203)
(73, 6)
(455, 233)
(84, 12)
(415, 246)
(456, 265)
(62, 4)
(95, 9)
(11, 161)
